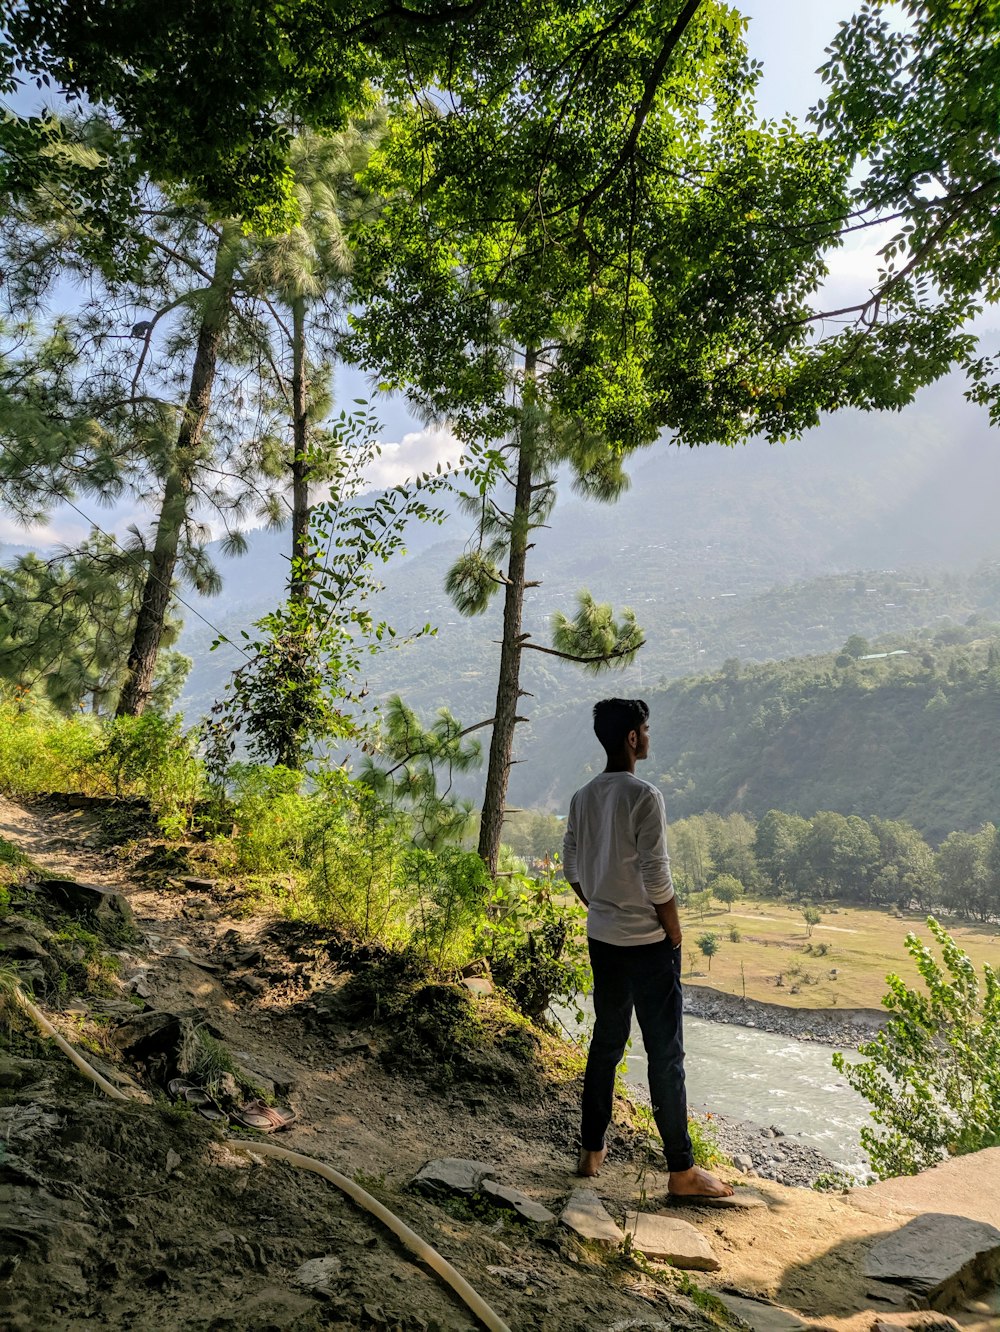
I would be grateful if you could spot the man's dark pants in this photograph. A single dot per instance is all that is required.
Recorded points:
(646, 978)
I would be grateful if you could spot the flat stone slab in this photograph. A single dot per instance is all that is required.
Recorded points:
(916, 1322)
(452, 1174)
(675, 1241)
(741, 1201)
(961, 1186)
(931, 1251)
(763, 1316)
(586, 1215)
(502, 1195)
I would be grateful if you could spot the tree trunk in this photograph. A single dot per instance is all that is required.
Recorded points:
(299, 582)
(505, 716)
(177, 490)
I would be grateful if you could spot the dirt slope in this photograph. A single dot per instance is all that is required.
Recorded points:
(139, 1216)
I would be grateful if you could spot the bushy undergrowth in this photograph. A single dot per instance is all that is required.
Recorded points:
(321, 847)
(148, 757)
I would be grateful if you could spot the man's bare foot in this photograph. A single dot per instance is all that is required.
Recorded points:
(590, 1163)
(696, 1183)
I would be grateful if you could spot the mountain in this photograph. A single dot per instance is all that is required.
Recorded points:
(913, 736)
(757, 552)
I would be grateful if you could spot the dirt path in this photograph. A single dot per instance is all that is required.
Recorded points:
(373, 1122)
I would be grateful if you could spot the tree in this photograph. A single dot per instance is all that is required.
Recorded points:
(856, 647)
(567, 320)
(708, 946)
(726, 888)
(963, 867)
(690, 856)
(811, 916)
(778, 846)
(299, 684)
(732, 848)
(932, 1076)
(907, 874)
(839, 856)
(65, 624)
(301, 278)
(911, 102)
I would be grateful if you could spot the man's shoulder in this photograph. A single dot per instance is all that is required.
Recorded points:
(603, 784)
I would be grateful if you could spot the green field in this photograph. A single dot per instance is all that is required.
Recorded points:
(862, 946)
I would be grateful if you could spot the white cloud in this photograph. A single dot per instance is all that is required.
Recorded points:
(418, 451)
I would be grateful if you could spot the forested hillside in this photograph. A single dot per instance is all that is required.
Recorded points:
(869, 524)
(912, 736)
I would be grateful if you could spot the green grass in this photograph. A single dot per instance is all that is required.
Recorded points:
(863, 946)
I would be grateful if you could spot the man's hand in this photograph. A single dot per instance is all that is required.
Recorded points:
(579, 892)
(667, 915)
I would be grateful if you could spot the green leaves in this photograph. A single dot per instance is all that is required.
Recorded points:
(593, 637)
(472, 581)
(932, 1077)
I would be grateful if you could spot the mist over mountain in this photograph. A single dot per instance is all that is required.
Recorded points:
(870, 524)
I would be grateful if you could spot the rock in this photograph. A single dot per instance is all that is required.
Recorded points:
(16, 1073)
(320, 1275)
(510, 1276)
(198, 885)
(273, 1081)
(916, 1322)
(20, 946)
(173, 1161)
(229, 1087)
(935, 1253)
(111, 909)
(480, 967)
(762, 1316)
(452, 1174)
(254, 984)
(480, 986)
(669, 1238)
(742, 1161)
(742, 1200)
(585, 1214)
(501, 1195)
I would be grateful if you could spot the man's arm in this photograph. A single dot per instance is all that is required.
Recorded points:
(579, 892)
(669, 917)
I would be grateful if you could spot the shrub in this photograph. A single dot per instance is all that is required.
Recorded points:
(151, 756)
(932, 1077)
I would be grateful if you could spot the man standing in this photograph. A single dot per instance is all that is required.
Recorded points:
(615, 859)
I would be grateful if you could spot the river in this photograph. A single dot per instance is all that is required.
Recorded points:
(754, 1075)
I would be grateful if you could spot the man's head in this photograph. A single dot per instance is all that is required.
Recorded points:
(621, 725)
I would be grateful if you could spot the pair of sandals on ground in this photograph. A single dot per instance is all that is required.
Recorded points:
(256, 1115)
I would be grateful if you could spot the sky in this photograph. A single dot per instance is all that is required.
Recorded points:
(789, 36)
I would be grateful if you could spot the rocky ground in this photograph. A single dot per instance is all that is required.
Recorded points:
(143, 1215)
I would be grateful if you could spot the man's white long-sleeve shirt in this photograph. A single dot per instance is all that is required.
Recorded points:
(615, 848)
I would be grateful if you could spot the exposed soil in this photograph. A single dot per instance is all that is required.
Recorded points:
(140, 1216)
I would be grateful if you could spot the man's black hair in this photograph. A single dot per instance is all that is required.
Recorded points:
(615, 717)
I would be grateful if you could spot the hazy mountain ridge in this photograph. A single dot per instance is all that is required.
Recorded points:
(913, 737)
(746, 552)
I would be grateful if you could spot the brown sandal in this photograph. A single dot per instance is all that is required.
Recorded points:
(262, 1117)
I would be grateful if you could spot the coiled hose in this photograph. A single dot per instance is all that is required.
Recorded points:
(412, 1241)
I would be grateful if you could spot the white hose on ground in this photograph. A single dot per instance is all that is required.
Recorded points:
(487, 1316)
(417, 1246)
(42, 1022)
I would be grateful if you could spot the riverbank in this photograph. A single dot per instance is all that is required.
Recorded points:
(843, 1027)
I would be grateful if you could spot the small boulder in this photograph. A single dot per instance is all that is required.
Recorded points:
(322, 1276)
(916, 1322)
(452, 1174)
